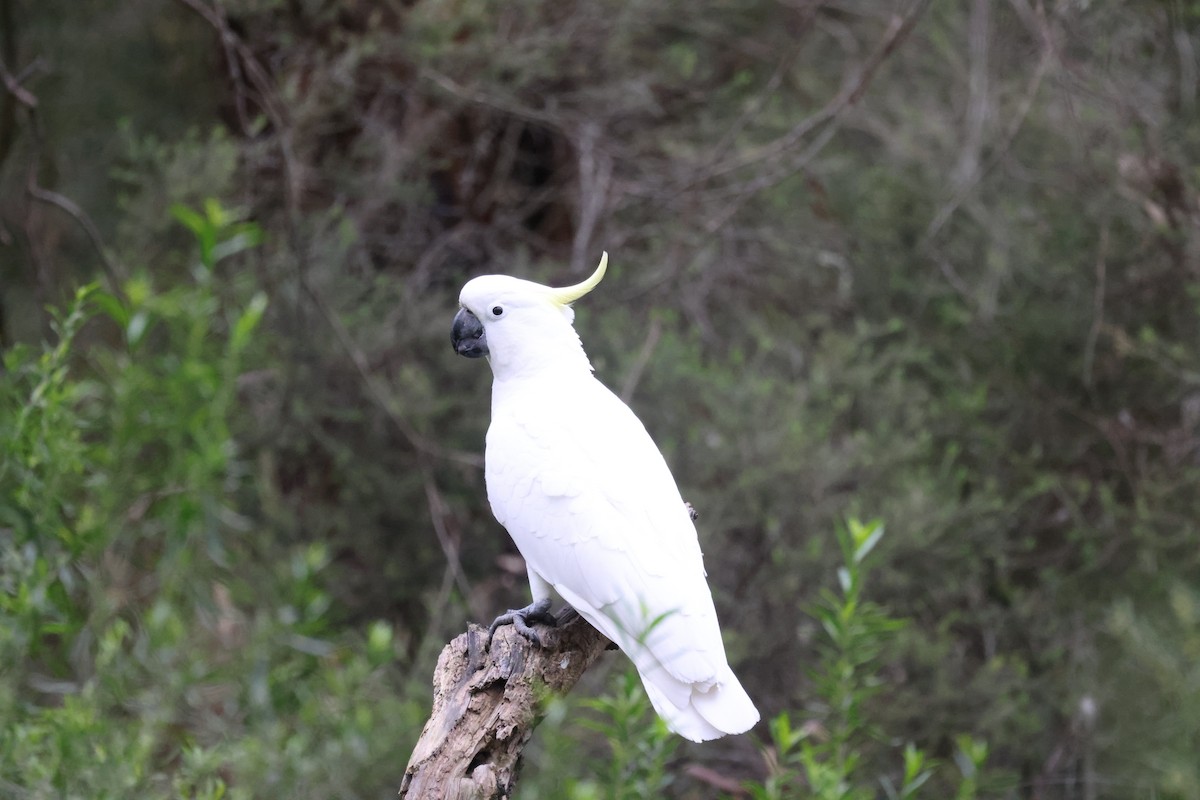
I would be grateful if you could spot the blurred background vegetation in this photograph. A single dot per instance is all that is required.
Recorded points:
(932, 262)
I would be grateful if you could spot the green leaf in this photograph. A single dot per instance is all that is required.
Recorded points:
(845, 579)
(202, 228)
(112, 307)
(218, 217)
(248, 321)
(865, 539)
(136, 328)
(244, 238)
(194, 222)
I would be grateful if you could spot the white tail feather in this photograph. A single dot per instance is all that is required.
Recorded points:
(723, 709)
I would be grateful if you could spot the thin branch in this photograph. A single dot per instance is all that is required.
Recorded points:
(749, 189)
(978, 37)
(828, 121)
(963, 191)
(954, 279)
(376, 390)
(112, 271)
(267, 97)
(759, 102)
(897, 31)
(438, 515)
(1089, 348)
(448, 85)
(629, 386)
(595, 174)
(13, 84)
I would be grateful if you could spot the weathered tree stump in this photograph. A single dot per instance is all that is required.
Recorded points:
(486, 705)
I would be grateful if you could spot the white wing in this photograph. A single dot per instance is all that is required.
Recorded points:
(593, 508)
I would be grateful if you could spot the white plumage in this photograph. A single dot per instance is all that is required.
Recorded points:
(591, 504)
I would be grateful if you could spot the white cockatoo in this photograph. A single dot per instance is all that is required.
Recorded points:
(588, 498)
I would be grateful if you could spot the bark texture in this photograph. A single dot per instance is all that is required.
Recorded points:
(486, 705)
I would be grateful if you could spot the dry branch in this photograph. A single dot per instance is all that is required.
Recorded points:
(486, 705)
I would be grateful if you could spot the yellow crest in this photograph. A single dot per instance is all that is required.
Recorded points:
(569, 294)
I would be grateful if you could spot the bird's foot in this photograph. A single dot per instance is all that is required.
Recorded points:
(520, 618)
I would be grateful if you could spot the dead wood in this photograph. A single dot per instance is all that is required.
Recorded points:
(486, 704)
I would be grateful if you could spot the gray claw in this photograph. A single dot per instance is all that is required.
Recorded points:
(520, 618)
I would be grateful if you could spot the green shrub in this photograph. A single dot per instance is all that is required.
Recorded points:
(834, 755)
(158, 642)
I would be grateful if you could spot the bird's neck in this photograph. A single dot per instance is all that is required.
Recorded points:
(556, 354)
(532, 371)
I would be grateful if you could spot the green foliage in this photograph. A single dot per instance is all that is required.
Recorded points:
(1159, 671)
(152, 651)
(640, 744)
(45, 463)
(826, 758)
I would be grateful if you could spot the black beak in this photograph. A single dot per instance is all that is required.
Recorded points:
(467, 335)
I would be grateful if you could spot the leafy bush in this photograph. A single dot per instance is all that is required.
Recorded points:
(162, 645)
(639, 742)
(1157, 666)
(831, 756)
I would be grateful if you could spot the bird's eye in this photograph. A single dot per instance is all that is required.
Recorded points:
(497, 311)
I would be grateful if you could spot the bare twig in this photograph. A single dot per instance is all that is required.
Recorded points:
(234, 65)
(897, 31)
(1089, 348)
(254, 72)
(112, 271)
(376, 391)
(745, 191)
(978, 37)
(512, 107)
(267, 98)
(759, 102)
(13, 84)
(439, 515)
(595, 173)
(828, 121)
(643, 358)
(965, 187)
(1187, 68)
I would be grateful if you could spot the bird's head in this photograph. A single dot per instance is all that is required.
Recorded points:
(520, 325)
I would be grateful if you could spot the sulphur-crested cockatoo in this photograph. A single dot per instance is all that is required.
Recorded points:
(593, 508)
